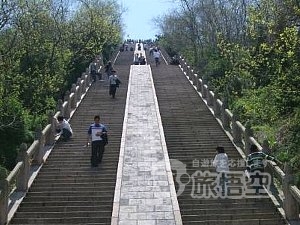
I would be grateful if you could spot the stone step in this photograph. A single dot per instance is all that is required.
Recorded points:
(185, 200)
(72, 187)
(73, 179)
(192, 133)
(98, 223)
(65, 213)
(83, 175)
(84, 169)
(67, 190)
(106, 203)
(67, 193)
(64, 220)
(83, 208)
(261, 221)
(230, 216)
(82, 197)
(226, 206)
(83, 163)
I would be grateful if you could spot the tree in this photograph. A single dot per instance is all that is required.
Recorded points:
(44, 47)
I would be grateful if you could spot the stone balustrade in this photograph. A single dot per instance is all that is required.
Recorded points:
(18, 179)
(242, 138)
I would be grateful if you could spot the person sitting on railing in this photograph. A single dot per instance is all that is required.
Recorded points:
(63, 128)
(256, 162)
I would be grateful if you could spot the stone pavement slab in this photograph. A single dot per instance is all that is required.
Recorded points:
(145, 192)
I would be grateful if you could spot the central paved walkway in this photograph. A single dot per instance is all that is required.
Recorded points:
(145, 192)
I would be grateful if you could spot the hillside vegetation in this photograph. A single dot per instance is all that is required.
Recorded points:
(45, 46)
(249, 53)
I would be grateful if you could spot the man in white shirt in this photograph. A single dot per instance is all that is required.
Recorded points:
(97, 132)
(63, 128)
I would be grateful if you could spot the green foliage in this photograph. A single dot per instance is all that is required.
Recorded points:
(252, 59)
(288, 142)
(215, 67)
(12, 130)
(43, 50)
(3, 173)
(257, 106)
(287, 81)
(236, 75)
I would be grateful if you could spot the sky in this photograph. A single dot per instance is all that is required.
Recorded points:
(139, 14)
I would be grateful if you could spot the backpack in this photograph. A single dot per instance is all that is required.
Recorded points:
(118, 82)
(104, 138)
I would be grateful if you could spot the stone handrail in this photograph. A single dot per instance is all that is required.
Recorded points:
(18, 179)
(241, 137)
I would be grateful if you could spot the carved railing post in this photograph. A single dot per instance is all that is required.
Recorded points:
(210, 97)
(189, 72)
(184, 65)
(217, 109)
(290, 205)
(267, 150)
(194, 78)
(203, 90)
(248, 133)
(23, 176)
(198, 82)
(87, 80)
(80, 90)
(50, 138)
(237, 136)
(225, 118)
(74, 99)
(67, 111)
(38, 157)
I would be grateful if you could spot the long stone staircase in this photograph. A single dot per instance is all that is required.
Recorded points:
(68, 191)
(192, 135)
